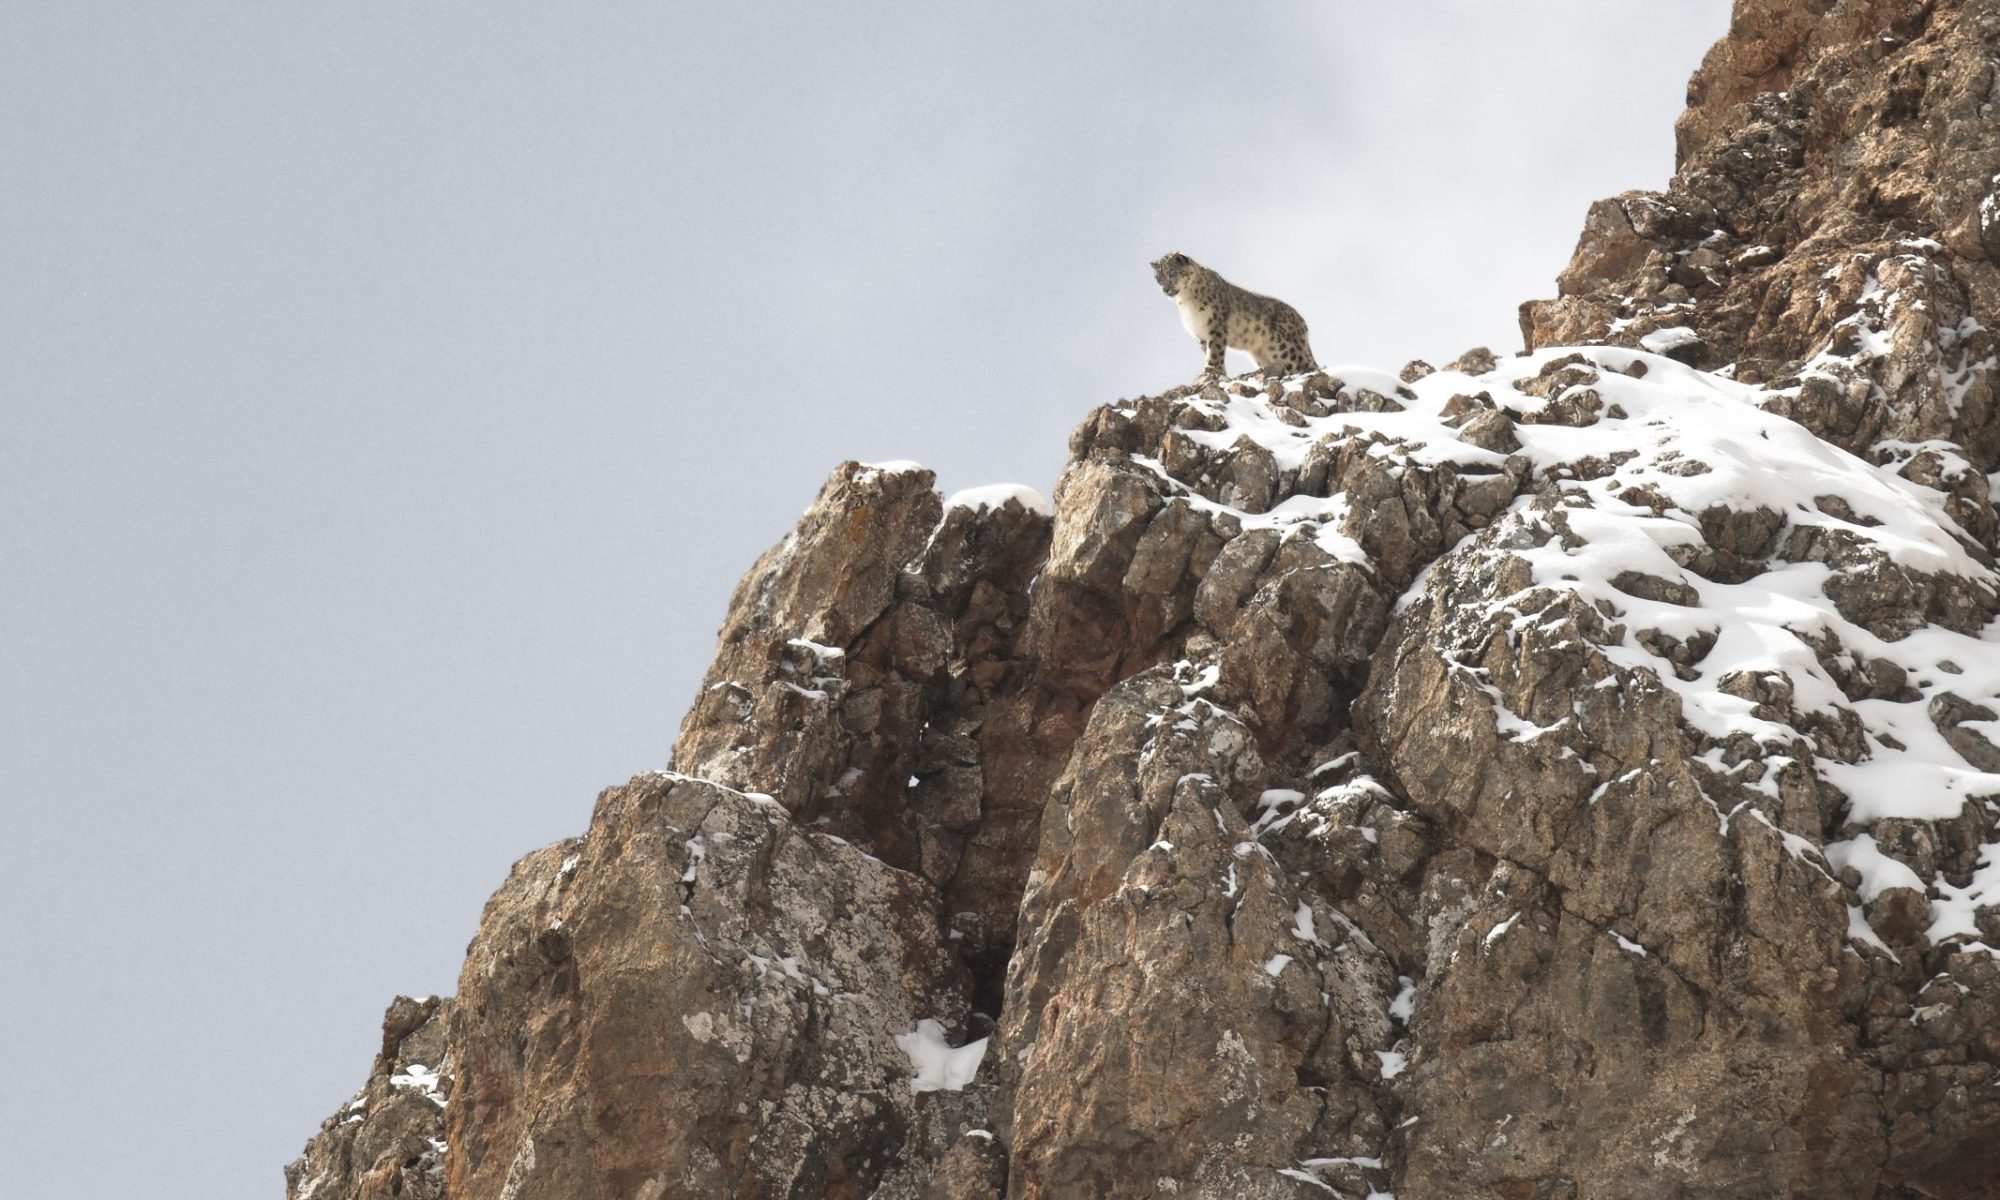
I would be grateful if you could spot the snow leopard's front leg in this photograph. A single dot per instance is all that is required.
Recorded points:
(1218, 345)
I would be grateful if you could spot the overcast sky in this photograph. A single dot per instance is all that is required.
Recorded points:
(392, 393)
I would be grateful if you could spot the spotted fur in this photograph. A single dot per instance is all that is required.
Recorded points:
(1221, 315)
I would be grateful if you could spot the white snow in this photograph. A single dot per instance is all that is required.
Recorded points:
(822, 653)
(1494, 934)
(1662, 340)
(1952, 908)
(1204, 679)
(1404, 1006)
(1393, 1062)
(1303, 1177)
(1277, 964)
(418, 1077)
(1278, 808)
(996, 495)
(1302, 925)
(940, 1066)
(1608, 784)
(1878, 871)
(1319, 515)
(1669, 446)
(1859, 930)
(762, 800)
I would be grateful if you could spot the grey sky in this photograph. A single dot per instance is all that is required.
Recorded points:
(393, 392)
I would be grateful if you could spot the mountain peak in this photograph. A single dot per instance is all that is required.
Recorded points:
(1561, 775)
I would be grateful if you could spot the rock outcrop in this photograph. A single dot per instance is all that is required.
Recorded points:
(1831, 231)
(1565, 776)
(388, 1140)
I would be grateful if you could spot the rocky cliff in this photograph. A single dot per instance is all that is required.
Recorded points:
(1565, 776)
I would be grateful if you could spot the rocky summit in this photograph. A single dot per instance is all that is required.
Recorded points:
(1566, 776)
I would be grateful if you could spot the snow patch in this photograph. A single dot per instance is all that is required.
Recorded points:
(1878, 871)
(1302, 925)
(996, 495)
(940, 1066)
(1660, 341)
(1404, 1006)
(417, 1077)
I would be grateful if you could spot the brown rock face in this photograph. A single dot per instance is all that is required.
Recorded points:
(872, 677)
(693, 1000)
(1174, 990)
(1563, 777)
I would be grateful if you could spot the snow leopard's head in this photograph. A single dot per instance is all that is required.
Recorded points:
(1170, 269)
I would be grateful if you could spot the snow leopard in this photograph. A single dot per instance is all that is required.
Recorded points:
(1221, 315)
